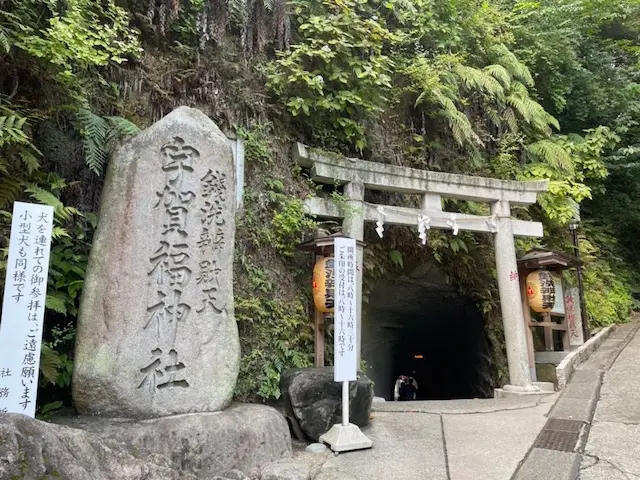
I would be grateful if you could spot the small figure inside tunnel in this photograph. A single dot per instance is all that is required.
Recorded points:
(406, 388)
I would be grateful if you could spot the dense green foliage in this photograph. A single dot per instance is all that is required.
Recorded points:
(507, 88)
(270, 288)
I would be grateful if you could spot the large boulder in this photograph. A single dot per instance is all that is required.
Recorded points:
(313, 400)
(243, 437)
(35, 450)
(156, 329)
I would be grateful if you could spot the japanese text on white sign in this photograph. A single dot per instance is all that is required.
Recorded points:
(344, 337)
(23, 307)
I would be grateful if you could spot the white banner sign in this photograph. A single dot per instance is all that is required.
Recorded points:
(558, 307)
(344, 333)
(25, 290)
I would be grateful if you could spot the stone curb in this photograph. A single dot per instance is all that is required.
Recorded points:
(569, 364)
(556, 453)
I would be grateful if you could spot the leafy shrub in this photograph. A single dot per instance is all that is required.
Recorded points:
(336, 75)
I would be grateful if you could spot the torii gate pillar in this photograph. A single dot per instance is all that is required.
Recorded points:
(515, 335)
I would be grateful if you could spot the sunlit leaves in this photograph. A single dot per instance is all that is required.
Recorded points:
(83, 34)
(336, 75)
(573, 164)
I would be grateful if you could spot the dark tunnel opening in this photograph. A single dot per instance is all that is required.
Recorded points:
(421, 327)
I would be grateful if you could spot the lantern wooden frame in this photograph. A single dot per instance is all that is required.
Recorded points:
(322, 247)
(555, 262)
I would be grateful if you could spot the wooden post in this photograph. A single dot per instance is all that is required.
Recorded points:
(319, 338)
(318, 330)
(526, 311)
(548, 333)
(566, 345)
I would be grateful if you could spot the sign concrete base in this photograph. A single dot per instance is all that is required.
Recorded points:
(342, 438)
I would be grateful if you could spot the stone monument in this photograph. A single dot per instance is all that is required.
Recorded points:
(157, 349)
(156, 330)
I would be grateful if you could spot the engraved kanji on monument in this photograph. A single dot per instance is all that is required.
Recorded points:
(156, 330)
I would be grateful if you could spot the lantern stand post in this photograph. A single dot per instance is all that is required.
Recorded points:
(319, 339)
(522, 275)
(573, 226)
(319, 329)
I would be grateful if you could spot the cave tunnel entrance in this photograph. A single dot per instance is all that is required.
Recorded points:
(418, 325)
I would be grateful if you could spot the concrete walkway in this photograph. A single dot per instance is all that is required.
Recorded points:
(526, 438)
(455, 439)
(612, 450)
(575, 444)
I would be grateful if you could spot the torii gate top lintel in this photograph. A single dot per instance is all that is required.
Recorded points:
(329, 168)
(358, 175)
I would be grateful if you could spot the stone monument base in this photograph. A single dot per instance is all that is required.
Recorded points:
(193, 446)
(346, 438)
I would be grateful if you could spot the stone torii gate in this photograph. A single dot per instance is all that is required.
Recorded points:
(357, 175)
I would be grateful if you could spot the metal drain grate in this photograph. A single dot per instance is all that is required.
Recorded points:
(560, 435)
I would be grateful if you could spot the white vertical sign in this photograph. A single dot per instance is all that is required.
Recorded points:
(25, 291)
(344, 333)
(558, 307)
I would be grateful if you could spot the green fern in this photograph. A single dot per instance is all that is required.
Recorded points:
(4, 41)
(121, 127)
(518, 70)
(60, 211)
(511, 120)
(499, 73)
(531, 111)
(458, 121)
(10, 190)
(29, 160)
(553, 154)
(93, 130)
(12, 130)
(59, 232)
(98, 133)
(238, 11)
(475, 79)
(49, 363)
(494, 116)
